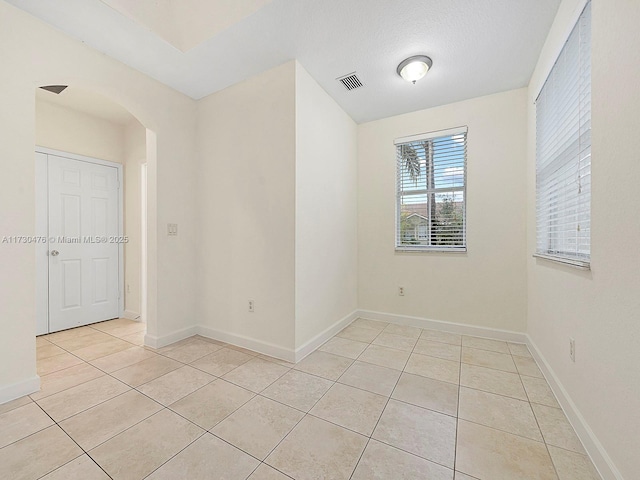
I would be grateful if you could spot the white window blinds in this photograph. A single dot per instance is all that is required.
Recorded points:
(430, 195)
(563, 151)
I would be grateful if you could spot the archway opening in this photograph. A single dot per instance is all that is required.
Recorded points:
(76, 124)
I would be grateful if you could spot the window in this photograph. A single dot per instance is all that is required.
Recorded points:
(563, 152)
(431, 181)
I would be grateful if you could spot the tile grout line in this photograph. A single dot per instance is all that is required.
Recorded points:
(142, 393)
(95, 344)
(84, 452)
(126, 429)
(205, 431)
(146, 418)
(305, 414)
(303, 417)
(103, 402)
(209, 431)
(225, 373)
(334, 382)
(176, 454)
(413, 454)
(385, 406)
(460, 386)
(168, 407)
(290, 368)
(240, 406)
(328, 421)
(455, 449)
(76, 356)
(83, 383)
(544, 440)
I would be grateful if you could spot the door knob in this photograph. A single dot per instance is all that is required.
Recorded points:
(55, 253)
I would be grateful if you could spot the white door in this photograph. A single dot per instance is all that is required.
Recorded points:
(83, 243)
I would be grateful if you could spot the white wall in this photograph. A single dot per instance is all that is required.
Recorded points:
(246, 147)
(72, 131)
(326, 210)
(485, 286)
(600, 308)
(278, 207)
(34, 54)
(134, 156)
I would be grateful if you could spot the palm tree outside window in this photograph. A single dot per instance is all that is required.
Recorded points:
(431, 187)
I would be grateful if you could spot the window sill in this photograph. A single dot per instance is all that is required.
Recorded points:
(430, 250)
(579, 264)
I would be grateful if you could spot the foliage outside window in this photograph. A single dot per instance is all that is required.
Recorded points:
(431, 183)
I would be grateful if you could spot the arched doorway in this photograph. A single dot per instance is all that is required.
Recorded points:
(80, 125)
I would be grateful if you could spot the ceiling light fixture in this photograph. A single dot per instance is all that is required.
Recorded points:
(414, 68)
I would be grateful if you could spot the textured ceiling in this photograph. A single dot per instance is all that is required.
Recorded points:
(478, 47)
(186, 23)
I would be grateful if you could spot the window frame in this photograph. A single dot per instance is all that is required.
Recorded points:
(554, 251)
(431, 136)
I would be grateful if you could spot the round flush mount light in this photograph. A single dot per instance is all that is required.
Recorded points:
(414, 68)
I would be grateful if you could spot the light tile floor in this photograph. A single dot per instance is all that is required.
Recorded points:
(378, 401)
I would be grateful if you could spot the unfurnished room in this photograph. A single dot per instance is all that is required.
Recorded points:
(319, 240)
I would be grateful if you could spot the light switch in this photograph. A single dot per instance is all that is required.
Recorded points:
(172, 229)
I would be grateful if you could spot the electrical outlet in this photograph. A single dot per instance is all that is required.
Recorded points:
(251, 306)
(572, 349)
(401, 291)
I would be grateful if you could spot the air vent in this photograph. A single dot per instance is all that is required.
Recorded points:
(350, 81)
(57, 89)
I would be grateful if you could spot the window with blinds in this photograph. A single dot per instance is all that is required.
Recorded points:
(563, 152)
(431, 196)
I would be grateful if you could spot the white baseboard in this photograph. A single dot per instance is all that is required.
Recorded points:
(131, 315)
(164, 340)
(460, 328)
(594, 448)
(19, 389)
(252, 344)
(310, 346)
(592, 445)
(278, 351)
(317, 341)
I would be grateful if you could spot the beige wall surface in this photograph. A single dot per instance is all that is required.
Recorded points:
(71, 131)
(326, 210)
(278, 208)
(34, 54)
(600, 309)
(134, 156)
(485, 286)
(246, 147)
